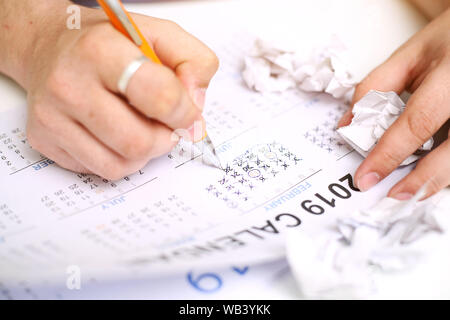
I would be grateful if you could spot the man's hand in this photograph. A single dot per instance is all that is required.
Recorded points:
(77, 116)
(421, 66)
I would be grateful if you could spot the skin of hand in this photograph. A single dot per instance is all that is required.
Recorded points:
(422, 67)
(76, 115)
(431, 9)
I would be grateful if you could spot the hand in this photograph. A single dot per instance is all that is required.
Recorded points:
(421, 66)
(76, 115)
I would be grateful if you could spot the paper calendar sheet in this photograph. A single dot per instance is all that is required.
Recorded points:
(284, 166)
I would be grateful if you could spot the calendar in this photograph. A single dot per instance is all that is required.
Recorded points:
(177, 214)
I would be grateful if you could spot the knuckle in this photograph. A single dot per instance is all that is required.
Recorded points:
(94, 45)
(114, 170)
(86, 42)
(41, 116)
(421, 124)
(414, 181)
(418, 180)
(389, 161)
(32, 140)
(170, 24)
(433, 186)
(212, 60)
(55, 83)
(167, 98)
(89, 45)
(137, 146)
(59, 85)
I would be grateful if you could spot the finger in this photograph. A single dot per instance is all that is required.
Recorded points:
(434, 170)
(63, 159)
(87, 150)
(96, 157)
(117, 125)
(392, 75)
(159, 94)
(194, 63)
(154, 89)
(346, 118)
(43, 143)
(426, 111)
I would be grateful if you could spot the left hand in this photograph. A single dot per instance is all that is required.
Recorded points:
(421, 66)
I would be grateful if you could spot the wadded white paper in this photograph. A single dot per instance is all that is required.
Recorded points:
(372, 116)
(276, 67)
(353, 248)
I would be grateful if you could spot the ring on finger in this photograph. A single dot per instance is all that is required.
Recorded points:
(129, 72)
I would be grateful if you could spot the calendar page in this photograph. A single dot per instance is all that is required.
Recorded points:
(284, 167)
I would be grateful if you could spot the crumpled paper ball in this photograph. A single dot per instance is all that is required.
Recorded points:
(276, 67)
(372, 116)
(340, 260)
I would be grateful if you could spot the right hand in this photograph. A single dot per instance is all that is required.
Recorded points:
(78, 119)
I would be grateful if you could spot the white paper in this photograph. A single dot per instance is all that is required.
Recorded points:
(177, 213)
(276, 67)
(372, 116)
(349, 251)
(234, 282)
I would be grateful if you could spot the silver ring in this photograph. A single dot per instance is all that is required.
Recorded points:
(129, 72)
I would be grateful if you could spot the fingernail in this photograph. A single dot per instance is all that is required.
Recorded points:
(198, 130)
(199, 97)
(403, 196)
(343, 121)
(368, 181)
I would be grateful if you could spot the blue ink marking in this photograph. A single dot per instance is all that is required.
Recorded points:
(223, 148)
(196, 282)
(241, 271)
(311, 102)
(285, 197)
(43, 164)
(113, 202)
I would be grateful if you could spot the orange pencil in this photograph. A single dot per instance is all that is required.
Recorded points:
(123, 22)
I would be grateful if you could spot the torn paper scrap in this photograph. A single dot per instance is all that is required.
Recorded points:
(339, 261)
(277, 67)
(372, 116)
